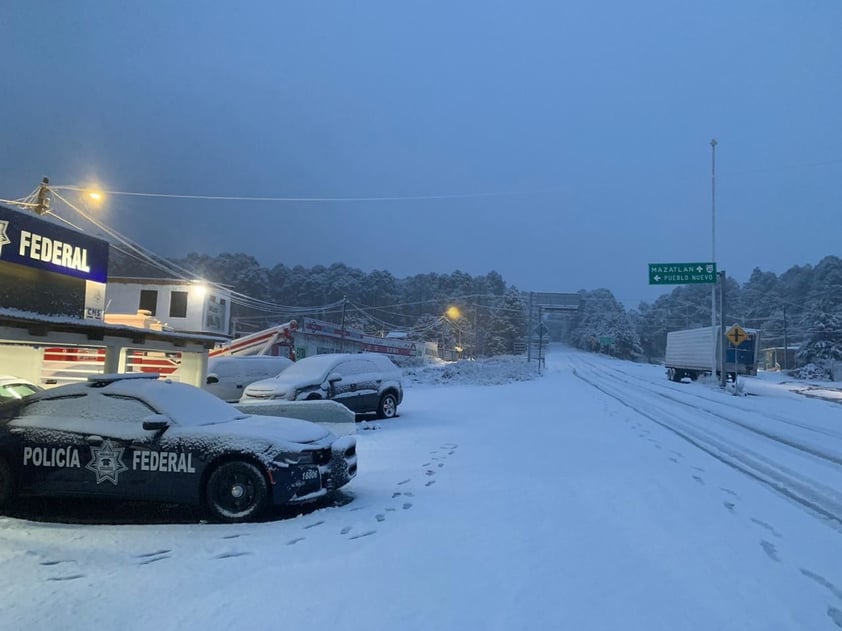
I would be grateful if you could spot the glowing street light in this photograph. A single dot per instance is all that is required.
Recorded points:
(94, 196)
(453, 313)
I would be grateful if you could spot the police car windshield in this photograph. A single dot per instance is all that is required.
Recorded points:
(193, 407)
(185, 405)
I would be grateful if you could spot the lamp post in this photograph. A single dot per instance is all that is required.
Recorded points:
(452, 314)
(713, 144)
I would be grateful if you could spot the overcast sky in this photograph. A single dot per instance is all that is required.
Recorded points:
(574, 136)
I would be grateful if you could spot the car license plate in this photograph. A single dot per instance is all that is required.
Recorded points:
(309, 479)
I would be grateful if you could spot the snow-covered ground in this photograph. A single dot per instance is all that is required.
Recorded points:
(598, 495)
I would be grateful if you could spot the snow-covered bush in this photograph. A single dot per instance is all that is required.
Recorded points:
(811, 372)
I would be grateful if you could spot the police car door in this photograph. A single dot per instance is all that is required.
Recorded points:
(46, 451)
(130, 461)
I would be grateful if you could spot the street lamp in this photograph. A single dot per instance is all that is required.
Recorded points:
(451, 315)
(93, 195)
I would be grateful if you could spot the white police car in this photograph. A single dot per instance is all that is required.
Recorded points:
(133, 437)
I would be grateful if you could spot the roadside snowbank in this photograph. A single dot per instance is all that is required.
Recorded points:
(488, 372)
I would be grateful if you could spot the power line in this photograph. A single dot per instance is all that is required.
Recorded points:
(253, 198)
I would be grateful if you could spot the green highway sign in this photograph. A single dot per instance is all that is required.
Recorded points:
(682, 273)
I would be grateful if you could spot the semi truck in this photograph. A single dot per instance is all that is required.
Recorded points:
(690, 353)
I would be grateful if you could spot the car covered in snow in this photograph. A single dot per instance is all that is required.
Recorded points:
(228, 376)
(134, 437)
(363, 382)
(15, 388)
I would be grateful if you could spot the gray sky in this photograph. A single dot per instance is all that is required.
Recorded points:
(594, 119)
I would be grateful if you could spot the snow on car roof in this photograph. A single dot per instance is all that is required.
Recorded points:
(183, 403)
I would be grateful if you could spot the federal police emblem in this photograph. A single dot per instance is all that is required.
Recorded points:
(107, 462)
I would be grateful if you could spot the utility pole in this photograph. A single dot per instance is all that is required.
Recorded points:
(42, 204)
(342, 327)
(540, 335)
(529, 330)
(786, 343)
(723, 373)
(713, 144)
(476, 333)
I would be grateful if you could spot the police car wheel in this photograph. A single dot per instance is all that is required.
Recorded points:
(236, 491)
(388, 407)
(6, 483)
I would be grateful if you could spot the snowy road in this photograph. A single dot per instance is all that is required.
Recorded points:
(598, 496)
(800, 458)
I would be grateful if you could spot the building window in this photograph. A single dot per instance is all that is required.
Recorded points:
(149, 300)
(178, 304)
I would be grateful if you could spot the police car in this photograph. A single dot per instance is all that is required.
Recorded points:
(133, 437)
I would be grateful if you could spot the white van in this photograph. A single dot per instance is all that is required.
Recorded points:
(228, 376)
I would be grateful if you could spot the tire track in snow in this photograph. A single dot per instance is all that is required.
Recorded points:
(810, 494)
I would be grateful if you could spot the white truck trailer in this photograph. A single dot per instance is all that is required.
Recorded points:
(690, 353)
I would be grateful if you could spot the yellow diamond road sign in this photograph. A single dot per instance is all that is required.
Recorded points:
(736, 335)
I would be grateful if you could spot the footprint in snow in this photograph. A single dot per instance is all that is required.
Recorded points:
(71, 577)
(404, 481)
(151, 554)
(770, 550)
(231, 555)
(380, 517)
(365, 534)
(768, 527)
(699, 480)
(313, 525)
(292, 542)
(407, 505)
(430, 483)
(821, 580)
(345, 530)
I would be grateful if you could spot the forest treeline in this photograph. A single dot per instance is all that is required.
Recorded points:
(801, 307)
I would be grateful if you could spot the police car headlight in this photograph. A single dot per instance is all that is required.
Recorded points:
(288, 459)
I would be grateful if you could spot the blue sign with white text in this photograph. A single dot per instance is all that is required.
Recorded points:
(34, 242)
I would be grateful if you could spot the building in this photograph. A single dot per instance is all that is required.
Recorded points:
(53, 304)
(185, 306)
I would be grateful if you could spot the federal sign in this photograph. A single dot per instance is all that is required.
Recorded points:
(34, 242)
(736, 335)
(682, 273)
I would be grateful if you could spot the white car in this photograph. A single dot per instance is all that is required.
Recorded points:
(229, 376)
(363, 382)
(14, 388)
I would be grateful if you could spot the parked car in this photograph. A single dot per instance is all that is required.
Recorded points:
(14, 388)
(228, 376)
(132, 437)
(364, 382)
